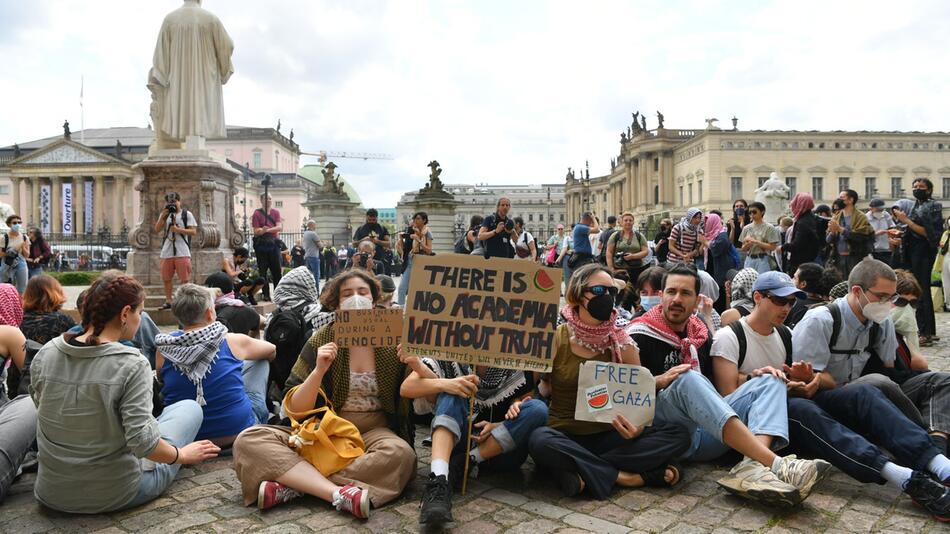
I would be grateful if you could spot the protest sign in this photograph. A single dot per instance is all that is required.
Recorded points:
(606, 389)
(367, 328)
(495, 312)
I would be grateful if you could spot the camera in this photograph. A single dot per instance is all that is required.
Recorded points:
(363, 259)
(509, 225)
(170, 199)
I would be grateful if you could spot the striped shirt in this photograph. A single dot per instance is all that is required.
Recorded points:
(685, 241)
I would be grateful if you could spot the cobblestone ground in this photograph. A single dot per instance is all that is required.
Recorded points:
(206, 498)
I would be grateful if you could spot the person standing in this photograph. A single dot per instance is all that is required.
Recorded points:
(267, 225)
(525, 245)
(311, 247)
(625, 250)
(179, 226)
(604, 238)
(759, 240)
(40, 253)
(881, 221)
(498, 231)
(924, 226)
(662, 241)
(740, 218)
(684, 239)
(297, 254)
(804, 243)
(376, 233)
(16, 248)
(557, 242)
(418, 240)
(849, 233)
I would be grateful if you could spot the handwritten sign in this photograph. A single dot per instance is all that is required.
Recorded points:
(367, 328)
(496, 312)
(607, 389)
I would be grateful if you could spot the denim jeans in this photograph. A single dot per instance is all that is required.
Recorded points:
(760, 264)
(179, 425)
(255, 374)
(692, 401)
(404, 283)
(34, 271)
(451, 412)
(16, 274)
(17, 433)
(313, 263)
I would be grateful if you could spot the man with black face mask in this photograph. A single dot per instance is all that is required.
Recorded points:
(920, 242)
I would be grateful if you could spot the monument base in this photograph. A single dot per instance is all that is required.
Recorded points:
(441, 212)
(332, 216)
(206, 186)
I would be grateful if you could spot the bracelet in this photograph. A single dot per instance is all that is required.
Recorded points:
(175, 461)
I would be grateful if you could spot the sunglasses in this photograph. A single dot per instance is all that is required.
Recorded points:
(753, 212)
(901, 301)
(781, 301)
(598, 291)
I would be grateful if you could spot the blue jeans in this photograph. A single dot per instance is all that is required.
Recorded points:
(313, 263)
(34, 271)
(178, 424)
(17, 434)
(255, 374)
(404, 283)
(16, 274)
(692, 401)
(761, 264)
(451, 412)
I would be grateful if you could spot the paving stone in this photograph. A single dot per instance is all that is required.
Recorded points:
(707, 516)
(544, 509)
(680, 503)
(535, 526)
(179, 523)
(613, 513)
(235, 526)
(505, 497)
(385, 521)
(283, 528)
(592, 523)
(147, 519)
(636, 500)
(478, 526)
(854, 521)
(29, 524)
(902, 523)
(653, 520)
(827, 503)
(686, 528)
(198, 492)
(750, 519)
(221, 475)
(472, 509)
(326, 519)
(509, 517)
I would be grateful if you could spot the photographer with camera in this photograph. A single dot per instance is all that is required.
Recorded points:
(498, 232)
(364, 258)
(377, 234)
(16, 249)
(267, 226)
(179, 226)
(417, 239)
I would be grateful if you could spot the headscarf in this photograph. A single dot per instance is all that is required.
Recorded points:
(11, 307)
(708, 285)
(606, 335)
(713, 226)
(297, 290)
(685, 221)
(801, 203)
(741, 292)
(653, 323)
(906, 205)
(193, 353)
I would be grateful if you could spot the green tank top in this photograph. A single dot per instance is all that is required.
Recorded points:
(563, 377)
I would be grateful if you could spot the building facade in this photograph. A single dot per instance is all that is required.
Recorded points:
(660, 173)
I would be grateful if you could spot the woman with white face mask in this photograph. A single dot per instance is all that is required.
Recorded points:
(362, 384)
(13, 269)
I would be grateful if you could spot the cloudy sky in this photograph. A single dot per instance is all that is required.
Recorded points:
(497, 91)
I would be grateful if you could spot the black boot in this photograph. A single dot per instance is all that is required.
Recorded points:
(436, 502)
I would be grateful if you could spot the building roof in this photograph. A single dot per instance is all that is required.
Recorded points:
(129, 136)
(313, 173)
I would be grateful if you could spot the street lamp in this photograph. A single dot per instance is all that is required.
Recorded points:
(247, 180)
(547, 225)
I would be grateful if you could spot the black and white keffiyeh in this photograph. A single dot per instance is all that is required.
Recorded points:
(297, 290)
(193, 353)
(495, 386)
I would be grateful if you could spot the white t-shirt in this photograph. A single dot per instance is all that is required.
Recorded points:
(525, 240)
(175, 245)
(761, 351)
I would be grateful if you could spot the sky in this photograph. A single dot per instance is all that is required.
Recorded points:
(496, 91)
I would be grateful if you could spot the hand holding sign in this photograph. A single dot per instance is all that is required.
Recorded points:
(616, 393)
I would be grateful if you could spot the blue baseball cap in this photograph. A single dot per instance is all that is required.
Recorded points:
(778, 284)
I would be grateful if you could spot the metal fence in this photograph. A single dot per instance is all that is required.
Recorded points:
(88, 252)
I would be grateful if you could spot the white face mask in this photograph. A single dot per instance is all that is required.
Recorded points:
(357, 302)
(876, 311)
(905, 320)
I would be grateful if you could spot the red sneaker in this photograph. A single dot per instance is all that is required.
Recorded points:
(354, 500)
(270, 494)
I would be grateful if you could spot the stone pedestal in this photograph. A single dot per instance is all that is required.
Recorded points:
(206, 186)
(332, 214)
(441, 211)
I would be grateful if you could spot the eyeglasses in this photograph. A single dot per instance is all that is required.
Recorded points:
(781, 301)
(602, 290)
(901, 301)
(883, 297)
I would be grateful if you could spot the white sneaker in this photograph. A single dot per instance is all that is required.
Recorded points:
(754, 481)
(803, 474)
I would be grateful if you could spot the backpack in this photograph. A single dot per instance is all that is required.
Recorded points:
(288, 331)
(604, 241)
(836, 330)
(705, 362)
(17, 382)
(185, 238)
(462, 245)
(734, 254)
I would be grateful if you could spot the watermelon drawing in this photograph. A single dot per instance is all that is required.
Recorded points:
(598, 401)
(598, 398)
(543, 282)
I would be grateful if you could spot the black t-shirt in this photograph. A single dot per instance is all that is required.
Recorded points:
(239, 320)
(659, 356)
(498, 246)
(372, 230)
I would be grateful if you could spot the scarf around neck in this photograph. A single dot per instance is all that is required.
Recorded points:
(653, 324)
(193, 353)
(11, 307)
(599, 338)
(297, 290)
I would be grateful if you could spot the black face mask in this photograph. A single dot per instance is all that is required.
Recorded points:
(601, 308)
(921, 194)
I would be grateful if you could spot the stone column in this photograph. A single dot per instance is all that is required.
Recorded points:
(79, 205)
(98, 204)
(16, 195)
(36, 200)
(124, 201)
(56, 208)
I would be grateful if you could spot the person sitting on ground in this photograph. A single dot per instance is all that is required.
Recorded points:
(650, 287)
(763, 349)
(298, 293)
(17, 415)
(93, 397)
(815, 282)
(363, 259)
(740, 303)
(362, 385)
(225, 373)
(672, 344)
(42, 318)
(504, 417)
(597, 456)
(236, 268)
(232, 312)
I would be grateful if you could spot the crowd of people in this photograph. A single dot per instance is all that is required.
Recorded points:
(783, 349)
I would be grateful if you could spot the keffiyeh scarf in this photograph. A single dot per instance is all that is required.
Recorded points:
(741, 292)
(605, 336)
(495, 385)
(298, 291)
(193, 353)
(11, 307)
(654, 324)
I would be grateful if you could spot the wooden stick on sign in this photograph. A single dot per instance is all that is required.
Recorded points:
(468, 444)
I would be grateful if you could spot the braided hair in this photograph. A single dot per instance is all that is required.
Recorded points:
(105, 300)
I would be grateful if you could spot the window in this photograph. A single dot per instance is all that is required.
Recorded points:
(762, 180)
(656, 164)
(817, 187)
(792, 183)
(562, 217)
(897, 190)
(736, 187)
(656, 194)
(870, 187)
(278, 203)
(699, 189)
(682, 198)
(844, 182)
(530, 217)
(946, 187)
(605, 196)
(4, 189)
(257, 159)
(691, 194)
(540, 217)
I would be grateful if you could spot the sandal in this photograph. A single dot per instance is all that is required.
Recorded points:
(656, 478)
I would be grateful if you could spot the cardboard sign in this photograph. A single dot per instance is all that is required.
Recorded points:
(606, 389)
(367, 328)
(495, 312)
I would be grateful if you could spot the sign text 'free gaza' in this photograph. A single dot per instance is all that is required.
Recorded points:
(496, 312)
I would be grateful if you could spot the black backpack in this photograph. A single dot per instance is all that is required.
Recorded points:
(462, 245)
(288, 331)
(705, 363)
(18, 381)
(605, 240)
(836, 330)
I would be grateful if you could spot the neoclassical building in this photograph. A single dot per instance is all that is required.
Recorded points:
(662, 172)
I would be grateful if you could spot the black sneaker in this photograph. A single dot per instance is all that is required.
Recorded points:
(436, 507)
(457, 469)
(251, 301)
(929, 495)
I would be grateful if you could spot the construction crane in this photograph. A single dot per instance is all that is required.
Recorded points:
(323, 155)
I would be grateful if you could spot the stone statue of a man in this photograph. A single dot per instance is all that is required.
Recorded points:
(192, 61)
(774, 195)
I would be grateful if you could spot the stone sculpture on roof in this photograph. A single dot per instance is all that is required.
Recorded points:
(66, 132)
(332, 184)
(659, 120)
(435, 183)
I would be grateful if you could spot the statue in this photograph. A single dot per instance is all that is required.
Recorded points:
(636, 123)
(16, 150)
(623, 138)
(66, 132)
(278, 125)
(659, 120)
(711, 124)
(331, 185)
(586, 170)
(291, 135)
(118, 148)
(735, 123)
(435, 183)
(570, 175)
(192, 61)
(643, 122)
(774, 194)
(6, 210)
